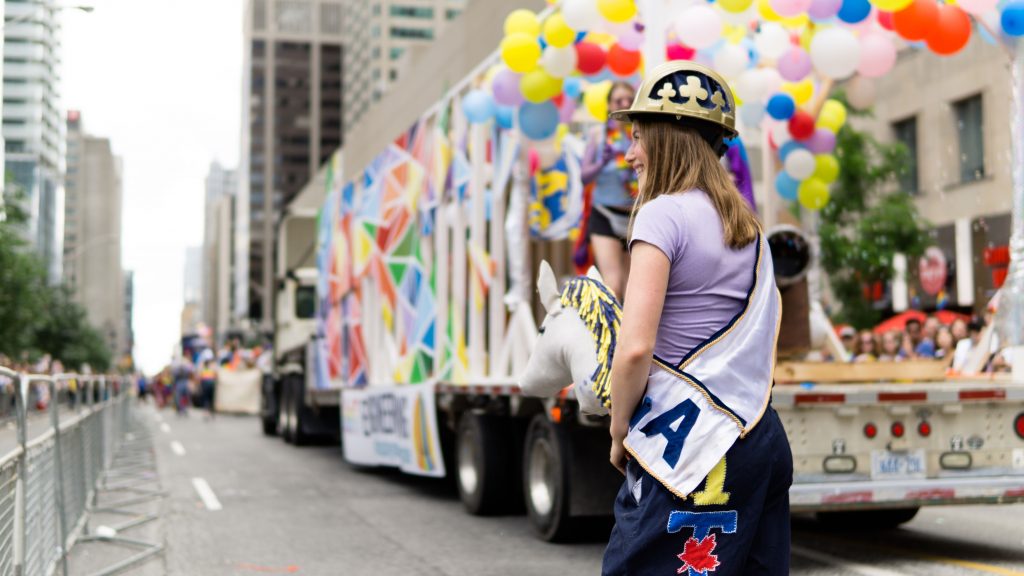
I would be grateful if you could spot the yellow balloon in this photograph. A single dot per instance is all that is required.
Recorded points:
(538, 86)
(832, 116)
(734, 34)
(522, 21)
(520, 52)
(735, 6)
(556, 32)
(826, 168)
(595, 100)
(802, 91)
(617, 10)
(767, 12)
(813, 194)
(891, 5)
(795, 22)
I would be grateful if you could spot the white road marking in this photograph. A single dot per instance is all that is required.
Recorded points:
(177, 448)
(206, 494)
(854, 567)
(166, 428)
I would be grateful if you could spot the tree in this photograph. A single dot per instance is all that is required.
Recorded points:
(65, 333)
(866, 222)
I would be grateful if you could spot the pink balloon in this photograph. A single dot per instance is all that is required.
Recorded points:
(824, 9)
(630, 35)
(505, 87)
(787, 8)
(795, 64)
(977, 7)
(567, 109)
(877, 55)
(534, 160)
(823, 141)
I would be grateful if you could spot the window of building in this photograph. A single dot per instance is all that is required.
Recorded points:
(970, 134)
(396, 53)
(376, 52)
(330, 18)
(375, 31)
(905, 132)
(259, 14)
(417, 33)
(375, 75)
(392, 74)
(376, 9)
(412, 11)
(452, 13)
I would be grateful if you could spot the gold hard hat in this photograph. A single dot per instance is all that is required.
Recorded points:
(685, 90)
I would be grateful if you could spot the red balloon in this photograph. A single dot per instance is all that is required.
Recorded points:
(558, 100)
(801, 125)
(679, 52)
(623, 62)
(590, 58)
(885, 19)
(915, 22)
(951, 32)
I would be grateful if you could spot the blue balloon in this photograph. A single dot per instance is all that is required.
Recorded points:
(787, 186)
(781, 106)
(505, 116)
(788, 147)
(579, 36)
(854, 11)
(538, 121)
(478, 106)
(1012, 19)
(572, 87)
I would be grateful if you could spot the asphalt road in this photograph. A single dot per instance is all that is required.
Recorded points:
(287, 510)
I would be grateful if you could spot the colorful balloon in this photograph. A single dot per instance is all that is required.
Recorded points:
(854, 11)
(885, 20)
(891, 5)
(538, 121)
(823, 141)
(824, 9)
(772, 41)
(590, 58)
(781, 107)
(877, 55)
(505, 116)
(731, 60)
(505, 87)
(799, 164)
(952, 31)
(556, 32)
(835, 52)
(788, 148)
(832, 115)
(916, 21)
(802, 91)
(522, 21)
(826, 168)
(788, 8)
(786, 186)
(559, 62)
(630, 35)
(617, 10)
(1012, 19)
(595, 100)
(623, 62)
(538, 86)
(735, 6)
(699, 26)
(520, 52)
(572, 87)
(801, 125)
(678, 52)
(478, 106)
(581, 15)
(795, 64)
(813, 194)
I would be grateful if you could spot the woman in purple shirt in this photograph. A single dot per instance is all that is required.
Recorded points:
(707, 463)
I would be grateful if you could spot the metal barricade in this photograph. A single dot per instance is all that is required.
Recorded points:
(48, 482)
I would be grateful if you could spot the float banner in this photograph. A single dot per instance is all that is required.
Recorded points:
(392, 426)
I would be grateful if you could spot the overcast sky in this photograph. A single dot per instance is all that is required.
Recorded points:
(162, 80)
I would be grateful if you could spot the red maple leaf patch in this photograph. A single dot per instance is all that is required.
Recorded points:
(698, 555)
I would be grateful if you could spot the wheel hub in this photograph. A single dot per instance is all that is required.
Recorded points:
(469, 477)
(541, 482)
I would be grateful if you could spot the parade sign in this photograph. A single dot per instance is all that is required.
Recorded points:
(392, 426)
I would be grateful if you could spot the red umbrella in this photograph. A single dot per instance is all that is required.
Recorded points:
(899, 321)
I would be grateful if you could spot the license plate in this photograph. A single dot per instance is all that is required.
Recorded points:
(885, 464)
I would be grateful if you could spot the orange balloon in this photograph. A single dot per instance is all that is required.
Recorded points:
(915, 22)
(951, 32)
(623, 62)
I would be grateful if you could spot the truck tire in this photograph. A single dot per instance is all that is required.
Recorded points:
(299, 435)
(867, 519)
(482, 467)
(271, 407)
(546, 479)
(284, 413)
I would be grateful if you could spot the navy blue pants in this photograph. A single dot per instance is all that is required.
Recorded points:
(736, 527)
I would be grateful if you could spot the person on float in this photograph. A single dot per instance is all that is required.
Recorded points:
(706, 460)
(615, 188)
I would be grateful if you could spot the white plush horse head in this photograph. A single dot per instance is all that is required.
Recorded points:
(576, 341)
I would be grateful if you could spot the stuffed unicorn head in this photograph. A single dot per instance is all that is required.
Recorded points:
(576, 341)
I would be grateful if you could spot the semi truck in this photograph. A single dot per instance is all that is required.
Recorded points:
(425, 317)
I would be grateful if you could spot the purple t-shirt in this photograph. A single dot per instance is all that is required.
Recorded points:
(708, 281)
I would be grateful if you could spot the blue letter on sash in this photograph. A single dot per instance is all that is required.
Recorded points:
(686, 410)
(703, 522)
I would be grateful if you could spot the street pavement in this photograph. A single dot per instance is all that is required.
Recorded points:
(242, 503)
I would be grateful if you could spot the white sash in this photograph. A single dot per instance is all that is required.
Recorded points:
(692, 413)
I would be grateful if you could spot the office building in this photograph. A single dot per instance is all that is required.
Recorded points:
(218, 232)
(32, 125)
(291, 123)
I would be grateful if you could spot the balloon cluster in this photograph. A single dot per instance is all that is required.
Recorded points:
(781, 58)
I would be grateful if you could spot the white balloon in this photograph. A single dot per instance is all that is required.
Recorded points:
(699, 26)
(559, 62)
(800, 164)
(752, 114)
(731, 60)
(758, 84)
(741, 18)
(581, 15)
(780, 133)
(772, 41)
(835, 53)
(861, 92)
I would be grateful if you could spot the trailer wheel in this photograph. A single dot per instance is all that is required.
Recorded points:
(481, 464)
(546, 479)
(271, 407)
(284, 412)
(299, 435)
(867, 519)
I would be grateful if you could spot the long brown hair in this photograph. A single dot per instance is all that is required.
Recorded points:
(679, 160)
